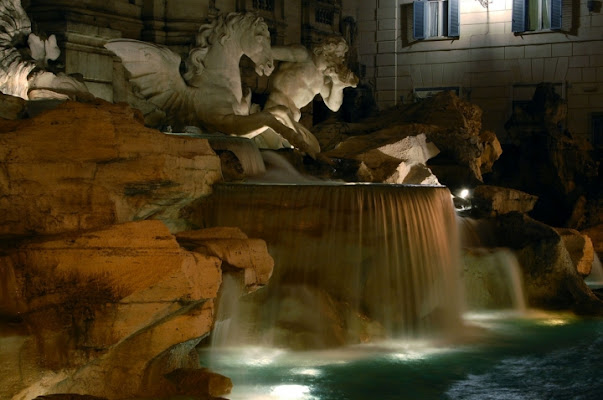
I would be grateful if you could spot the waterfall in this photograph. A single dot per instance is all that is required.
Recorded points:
(353, 262)
(492, 275)
(595, 278)
(492, 280)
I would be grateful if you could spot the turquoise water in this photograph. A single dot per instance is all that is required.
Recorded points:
(543, 356)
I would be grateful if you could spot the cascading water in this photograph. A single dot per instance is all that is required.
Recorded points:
(491, 275)
(595, 278)
(353, 261)
(361, 262)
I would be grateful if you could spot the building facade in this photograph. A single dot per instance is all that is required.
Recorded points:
(492, 52)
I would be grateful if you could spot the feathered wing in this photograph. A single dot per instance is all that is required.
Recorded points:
(155, 71)
(15, 28)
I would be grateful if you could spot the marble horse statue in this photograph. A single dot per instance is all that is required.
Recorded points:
(25, 57)
(209, 93)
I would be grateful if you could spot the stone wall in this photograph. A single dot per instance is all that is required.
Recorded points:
(492, 66)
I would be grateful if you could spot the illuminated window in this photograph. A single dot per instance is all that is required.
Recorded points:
(536, 15)
(433, 19)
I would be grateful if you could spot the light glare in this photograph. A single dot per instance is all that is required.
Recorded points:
(291, 392)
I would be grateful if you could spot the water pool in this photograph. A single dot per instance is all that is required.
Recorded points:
(501, 356)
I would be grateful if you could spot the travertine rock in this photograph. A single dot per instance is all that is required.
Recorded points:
(545, 160)
(550, 278)
(494, 200)
(100, 306)
(580, 249)
(237, 251)
(11, 107)
(390, 155)
(186, 381)
(459, 136)
(492, 279)
(83, 166)
(596, 234)
(458, 150)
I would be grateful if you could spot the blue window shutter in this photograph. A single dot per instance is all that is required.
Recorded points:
(556, 13)
(454, 18)
(518, 23)
(419, 19)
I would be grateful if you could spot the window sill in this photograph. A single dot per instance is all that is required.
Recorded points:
(437, 39)
(537, 32)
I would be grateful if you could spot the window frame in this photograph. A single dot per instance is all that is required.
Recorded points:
(520, 17)
(422, 23)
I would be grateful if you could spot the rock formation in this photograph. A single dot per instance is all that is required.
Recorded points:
(491, 201)
(437, 140)
(580, 248)
(83, 166)
(91, 303)
(114, 312)
(552, 268)
(544, 159)
(238, 252)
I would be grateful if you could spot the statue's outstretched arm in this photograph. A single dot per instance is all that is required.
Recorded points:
(244, 125)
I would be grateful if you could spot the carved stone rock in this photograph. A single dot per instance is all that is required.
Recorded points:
(83, 166)
(494, 200)
(580, 249)
(100, 306)
(237, 251)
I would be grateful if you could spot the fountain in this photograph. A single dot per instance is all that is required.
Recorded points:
(355, 261)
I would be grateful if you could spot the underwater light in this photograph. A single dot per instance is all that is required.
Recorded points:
(307, 371)
(291, 392)
(555, 321)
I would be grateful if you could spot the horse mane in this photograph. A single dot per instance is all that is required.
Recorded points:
(219, 30)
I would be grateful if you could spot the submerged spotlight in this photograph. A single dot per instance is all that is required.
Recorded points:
(291, 392)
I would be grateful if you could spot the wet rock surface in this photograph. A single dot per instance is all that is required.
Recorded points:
(550, 275)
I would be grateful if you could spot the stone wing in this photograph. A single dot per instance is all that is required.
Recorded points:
(155, 72)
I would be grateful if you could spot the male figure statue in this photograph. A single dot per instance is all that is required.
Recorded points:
(302, 75)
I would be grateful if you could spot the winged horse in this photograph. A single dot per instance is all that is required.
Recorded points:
(209, 93)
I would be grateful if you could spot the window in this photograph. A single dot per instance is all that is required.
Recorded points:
(536, 15)
(432, 19)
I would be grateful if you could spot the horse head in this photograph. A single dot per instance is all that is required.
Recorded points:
(245, 32)
(255, 43)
